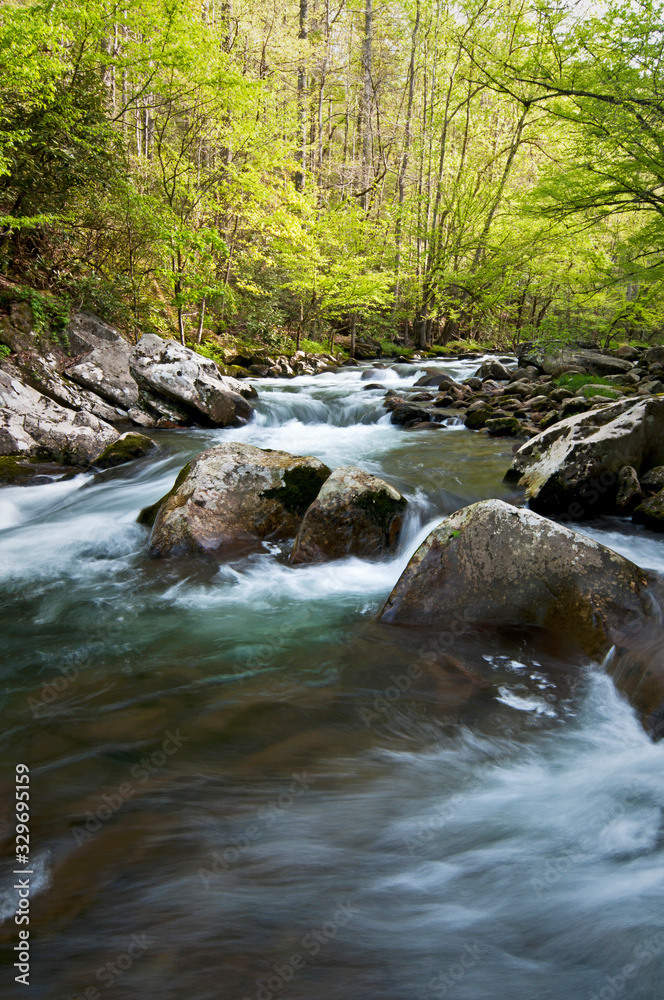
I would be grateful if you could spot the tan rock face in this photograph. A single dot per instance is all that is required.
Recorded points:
(572, 468)
(495, 565)
(355, 513)
(231, 498)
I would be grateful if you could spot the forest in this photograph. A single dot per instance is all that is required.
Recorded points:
(416, 171)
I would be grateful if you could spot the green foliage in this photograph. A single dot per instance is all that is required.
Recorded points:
(506, 185)
(575, 381)
(4, 351)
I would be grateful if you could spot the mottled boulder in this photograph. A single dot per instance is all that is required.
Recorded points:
(33, 425)
(128, 447)
(42, 375)
(163, 368)
(650, 513)
(104, 367)
(232, 497)
(573, 467)
(493, 564)
(355, 514)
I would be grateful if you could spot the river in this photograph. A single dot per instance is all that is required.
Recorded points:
(243, 787)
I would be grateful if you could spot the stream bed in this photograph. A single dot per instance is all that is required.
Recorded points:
(243, 787)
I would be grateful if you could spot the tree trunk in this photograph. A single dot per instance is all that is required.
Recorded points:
(367, 95)
(201, 318)
(353, 321)
(302, 101)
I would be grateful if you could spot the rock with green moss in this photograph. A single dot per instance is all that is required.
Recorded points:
(503, 427)
(650, 513)
(127, 447)
(233, 497)
(355, 514)
(476, 418)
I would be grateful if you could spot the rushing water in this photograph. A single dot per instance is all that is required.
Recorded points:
(244, 787)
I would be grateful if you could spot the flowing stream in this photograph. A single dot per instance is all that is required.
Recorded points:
(242, 786)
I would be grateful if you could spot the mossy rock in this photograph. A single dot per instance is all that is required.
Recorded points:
(477, 419)
(301, 486)
(650, 513)
(148, 515)
(503, 427)
(128, 447)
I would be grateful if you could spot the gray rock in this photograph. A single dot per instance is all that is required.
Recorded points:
(42, 374)
(654, 355)
(650, 513)
(628, 353)
(33, 425)
(629, 493)
(163, 368)
(493, 369)
(232, 497)
(566, 359)
(573, 467)
(493, 564)
(104, 369)
(653, 480)
(355, 514)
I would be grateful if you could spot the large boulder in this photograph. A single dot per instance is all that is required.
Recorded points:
(232, 497)
(33, 425)
(355, 514)
(104, 365)
(589, 361)
(494, 565)
(164, 368)
(572, 468)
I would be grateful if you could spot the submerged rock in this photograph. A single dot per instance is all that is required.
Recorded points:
(232, 497)
(355, 514)
(164, 368)
(573, 467)
(33, 425)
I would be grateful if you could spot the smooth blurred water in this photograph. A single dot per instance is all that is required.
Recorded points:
(243, 786)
